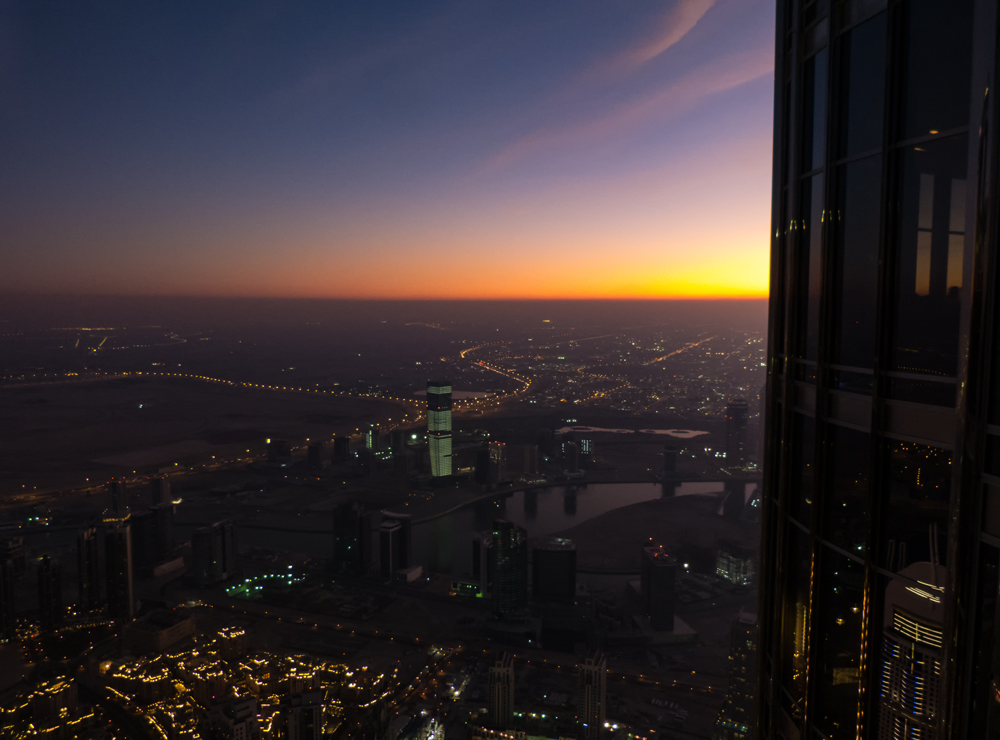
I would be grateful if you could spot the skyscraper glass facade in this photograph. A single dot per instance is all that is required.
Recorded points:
(881, 502)
(439, 427)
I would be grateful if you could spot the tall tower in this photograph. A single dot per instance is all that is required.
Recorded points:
(737, 441)
(659, 584)
(49, 593)
(881, 494)
(7, 625)
(117, 497)
(159, 490)
(592, 693)
(88, 570)
(735, 721)
(118, 568)
(509, 558)
(439, 427)
(390, 534)
(501, 692)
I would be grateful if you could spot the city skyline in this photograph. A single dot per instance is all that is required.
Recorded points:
(499, 152)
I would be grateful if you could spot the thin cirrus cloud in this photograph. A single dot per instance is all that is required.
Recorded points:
(675, 24)
(677, 98)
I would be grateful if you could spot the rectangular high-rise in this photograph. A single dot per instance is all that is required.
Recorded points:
(658, 585)
(88, 570)
(880, 549)
(118, 569)
(214, 552)
(592, 694)
(509, 566)
(159, 490)
(390, 534)
(50, 609)
(439, 427)
(736, 718)
(500, 710)
(553, 570)
(7, 625)
(737, 440)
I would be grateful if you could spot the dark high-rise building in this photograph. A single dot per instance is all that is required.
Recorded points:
(118, 502)
(12, 549)
(143, 541)
(353, 529)
(736, 718)
(592, 693)
(214, 552)
(509, 558)
(482, 562)
(7, 624)
(163, 528)
(118, 571)
(279, 451)
(658, 586)
(88, 570)
(50, 609)
(881, 494)
(341, 447)
(669, 461)
(439, 427)
(737, 435)
(571, 457)
(501, 693)
(314, 454)
(390, 535)
(159, 490)
(405, 522)
(553, 570)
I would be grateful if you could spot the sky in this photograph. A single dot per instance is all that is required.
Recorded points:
(382, 149)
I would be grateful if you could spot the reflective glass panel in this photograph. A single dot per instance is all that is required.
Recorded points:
(795, 630)
(846, 508)
(929, 256)
(814, 112)
(863, 87)
(839, 617)
(810, 265)
(856, 224)
(938, 64)
(802, 484)
(916, 520)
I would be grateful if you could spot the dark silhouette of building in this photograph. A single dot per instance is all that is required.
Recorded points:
(144, 549)
(500, 709)
(390, 536)
(314, 454)
(352, 538)
(737, 434)
(553, 570)
(214, 553)
(159, 490)
(50, 609)
(736, 718)
(7, 625)
(163, 527)
(118, 569)
(482, 562)
(117, 497)
(304, 713)
(341, 448)
(658, 587)
(12, 548)
(405, 550)
(439, 427)
(509, 566)
(881, 465)
(669, 461)
(571, 457)
(592, 693)
(279, 451)
(88, 570)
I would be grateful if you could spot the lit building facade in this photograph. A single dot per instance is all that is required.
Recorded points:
(592, 694)
(439, 427)
(735, 721)
(881, 495)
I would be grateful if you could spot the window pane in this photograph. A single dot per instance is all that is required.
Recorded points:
(795, 629)
(863, 91)
(856, 260)
(810, 267)
(802, 483)
(916, 521)
(938, 66)
(929, 258)
(814, 112)
(838, 639)
(846, 506)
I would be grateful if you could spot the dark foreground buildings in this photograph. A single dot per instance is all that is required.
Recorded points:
(881, 498)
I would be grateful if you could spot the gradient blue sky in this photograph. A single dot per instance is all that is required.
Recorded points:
(386, 149)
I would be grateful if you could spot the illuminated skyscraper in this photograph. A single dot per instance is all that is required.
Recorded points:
(439, 427)
(735, 721)
(880, 554)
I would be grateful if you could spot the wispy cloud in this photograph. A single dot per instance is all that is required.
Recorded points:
(674, 25)
(677, 98)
